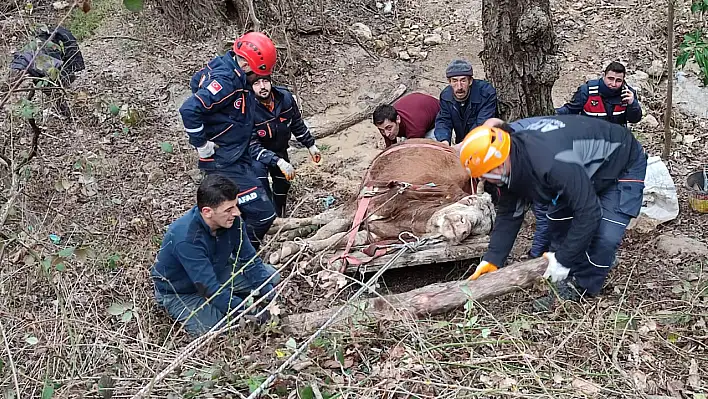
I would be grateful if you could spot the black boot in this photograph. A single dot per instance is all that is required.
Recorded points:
(565, 290)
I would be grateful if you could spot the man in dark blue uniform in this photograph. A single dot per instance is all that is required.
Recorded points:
(206, 266)
(219, 121)
(277, 116)
(608, 98)
(465, 104)
(591, 174)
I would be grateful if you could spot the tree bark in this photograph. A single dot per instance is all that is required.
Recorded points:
(426, 301)
(519, 56)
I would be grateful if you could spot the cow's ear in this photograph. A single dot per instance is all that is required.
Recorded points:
(468, 200)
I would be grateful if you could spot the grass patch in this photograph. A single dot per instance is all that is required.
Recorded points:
(84, 25)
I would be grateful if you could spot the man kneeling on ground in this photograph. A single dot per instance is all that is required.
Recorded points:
(413, 116)
(207, 265)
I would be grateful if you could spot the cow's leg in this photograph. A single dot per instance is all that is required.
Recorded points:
(326, 231)
(333, 236)
(285, 224)
(331, 228)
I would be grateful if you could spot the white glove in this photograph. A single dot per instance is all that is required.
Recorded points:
(287, 169)
(555, 270)
(315, 154)
(207, 150)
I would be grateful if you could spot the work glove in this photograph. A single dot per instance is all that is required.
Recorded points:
(315, 154)
(286, 168)
(483, 268)
(555, 270)
(207, 150)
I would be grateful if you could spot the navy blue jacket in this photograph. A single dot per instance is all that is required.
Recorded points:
(193, 261)
(566, 159)
(61, 51)
(219, 110)
(272, 129)
(612, 109)
(481, 104)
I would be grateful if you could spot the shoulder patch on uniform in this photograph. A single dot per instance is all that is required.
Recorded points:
(214, 87)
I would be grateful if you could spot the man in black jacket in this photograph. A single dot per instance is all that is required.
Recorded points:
(591, 174)
(277, 116)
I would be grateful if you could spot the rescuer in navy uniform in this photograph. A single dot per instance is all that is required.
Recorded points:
(608, 98)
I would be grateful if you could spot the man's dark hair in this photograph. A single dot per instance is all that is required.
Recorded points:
(616, 67)
(384, 112)
(507, 128)
(214, 190)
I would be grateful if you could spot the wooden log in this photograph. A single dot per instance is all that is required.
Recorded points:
(352, 119)
(436, 253)
(426, 301)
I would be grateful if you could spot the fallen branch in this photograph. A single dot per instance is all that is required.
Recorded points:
(352, 119)
(36, 132)
(252, 16)
(435, 253)
(426, 301)
(15, 177)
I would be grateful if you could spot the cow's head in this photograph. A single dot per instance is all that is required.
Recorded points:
(472, 215)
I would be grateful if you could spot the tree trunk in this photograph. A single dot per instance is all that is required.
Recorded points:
(519, 56)
(425, 301)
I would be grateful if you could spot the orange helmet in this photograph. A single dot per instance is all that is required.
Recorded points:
(483, 149)
(258, 50)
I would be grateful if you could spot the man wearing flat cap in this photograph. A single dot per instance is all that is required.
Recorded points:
(464, 104)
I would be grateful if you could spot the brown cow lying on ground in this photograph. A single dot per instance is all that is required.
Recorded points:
(417, 186)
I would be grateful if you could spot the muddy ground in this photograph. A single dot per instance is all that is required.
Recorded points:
(83, 323)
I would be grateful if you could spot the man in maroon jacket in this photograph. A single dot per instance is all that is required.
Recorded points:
(412, 116)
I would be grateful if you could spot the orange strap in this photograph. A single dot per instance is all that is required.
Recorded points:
(358, 218)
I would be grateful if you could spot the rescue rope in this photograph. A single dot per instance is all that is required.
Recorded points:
(364, 288)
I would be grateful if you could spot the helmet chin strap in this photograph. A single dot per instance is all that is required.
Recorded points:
(503, 177)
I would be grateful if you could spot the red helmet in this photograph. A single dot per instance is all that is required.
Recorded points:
(258, 50)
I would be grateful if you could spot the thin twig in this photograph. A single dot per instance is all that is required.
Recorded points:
(18, 82)
(9, 357)
(669, 82)
(33, 146)
(215, 331)
(324, 326)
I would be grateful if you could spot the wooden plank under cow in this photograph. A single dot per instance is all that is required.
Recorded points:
(426, 301)
(441, 252)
